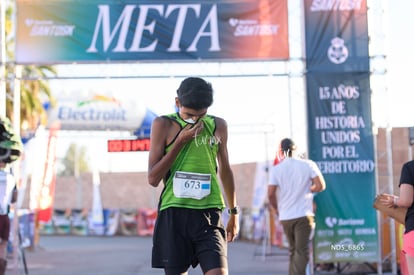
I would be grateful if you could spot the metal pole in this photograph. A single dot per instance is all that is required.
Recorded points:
(266, 244)
(391, 191)
(2, 58)
(384, 6)
(16, 165)
(16, 99)
(379, 224)
(79, 191)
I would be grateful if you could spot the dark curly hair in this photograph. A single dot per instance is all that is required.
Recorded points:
(195, 93)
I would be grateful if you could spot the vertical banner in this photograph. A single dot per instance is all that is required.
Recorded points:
(336, 36)
(341, 143)
(340, 130)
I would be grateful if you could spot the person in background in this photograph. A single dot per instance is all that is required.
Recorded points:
(8, 195)
(292, 183)
(188, 152)
(406, 200)
(11, 148)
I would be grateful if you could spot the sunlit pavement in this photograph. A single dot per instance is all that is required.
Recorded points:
(121, 255)
(70, 255)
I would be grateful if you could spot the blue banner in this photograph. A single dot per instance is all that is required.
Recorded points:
(342, 144)
(340, 130)
(336, 36)
(50, 31)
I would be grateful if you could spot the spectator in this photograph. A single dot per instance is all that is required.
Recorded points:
(291, 186)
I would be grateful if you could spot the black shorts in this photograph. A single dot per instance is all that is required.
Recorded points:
(184, 237)
(4, 227)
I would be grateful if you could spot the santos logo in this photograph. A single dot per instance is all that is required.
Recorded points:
(338, 52)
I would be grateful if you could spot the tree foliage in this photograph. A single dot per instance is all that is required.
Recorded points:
(34, 88)
(75, 161)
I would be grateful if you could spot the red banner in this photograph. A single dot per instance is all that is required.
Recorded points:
(47, 190)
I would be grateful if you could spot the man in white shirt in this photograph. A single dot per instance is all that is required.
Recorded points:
(292, 184)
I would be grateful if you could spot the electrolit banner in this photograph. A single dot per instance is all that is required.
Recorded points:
(336, 36)
(102, 112)
(342, 144)
(50, 31)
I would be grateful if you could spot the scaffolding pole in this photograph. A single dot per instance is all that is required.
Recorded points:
(2, 58)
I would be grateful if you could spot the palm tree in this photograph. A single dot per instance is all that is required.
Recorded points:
(34, 89)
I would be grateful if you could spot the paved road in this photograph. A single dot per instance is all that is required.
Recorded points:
(122, 255)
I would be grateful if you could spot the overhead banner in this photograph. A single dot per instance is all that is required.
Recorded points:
(342, 144)
(336, 36)
(50, 31)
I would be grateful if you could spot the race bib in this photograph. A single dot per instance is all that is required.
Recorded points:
(191, 185)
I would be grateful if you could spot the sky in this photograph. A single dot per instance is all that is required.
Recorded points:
(400, 62)
(268, 108)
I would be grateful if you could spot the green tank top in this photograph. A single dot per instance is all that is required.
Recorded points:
(194, 171)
